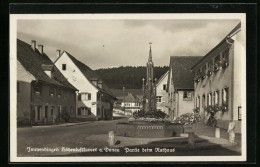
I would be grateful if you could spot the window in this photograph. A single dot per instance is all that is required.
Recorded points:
(186, 95)
(209, 99)
(59, 92)
(217, 59)
(239, 113)
(216, 97)
(51, 91)
(198, 72)
(225, 95)
(210, 64)
(197, 102)
(204, 69)
(225, 55)
(84, 96)
(158, 99)
(18, 87)
(38, 89)
(164, 86)
(84, 111)
(39, 112)
(64, 67)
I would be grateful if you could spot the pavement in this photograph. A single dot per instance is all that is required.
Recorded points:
(95, 135)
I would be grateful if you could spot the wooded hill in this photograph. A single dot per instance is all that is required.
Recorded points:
(129, 77)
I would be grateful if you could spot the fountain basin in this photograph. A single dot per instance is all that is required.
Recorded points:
(144, 129)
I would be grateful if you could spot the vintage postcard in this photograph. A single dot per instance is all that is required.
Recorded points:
(127, 87)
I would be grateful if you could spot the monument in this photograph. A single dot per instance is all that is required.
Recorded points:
(148, 122)
(149, 88)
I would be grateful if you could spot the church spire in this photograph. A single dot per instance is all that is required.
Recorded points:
(150, 53)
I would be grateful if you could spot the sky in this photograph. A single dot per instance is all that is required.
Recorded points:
(113, 43)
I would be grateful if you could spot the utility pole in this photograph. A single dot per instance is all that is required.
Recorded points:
(124, 98)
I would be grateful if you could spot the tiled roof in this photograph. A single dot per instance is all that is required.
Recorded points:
(129, 97)
(181, 71)
(35, 63)
(90, 74)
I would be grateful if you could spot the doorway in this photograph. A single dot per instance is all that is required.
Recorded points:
(46, 113)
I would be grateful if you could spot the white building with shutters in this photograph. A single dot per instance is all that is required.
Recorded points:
(94, 100)
(220, 80)
(161, 93)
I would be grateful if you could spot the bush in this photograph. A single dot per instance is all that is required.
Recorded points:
(212, 120)
(154, 114)
(188, 118)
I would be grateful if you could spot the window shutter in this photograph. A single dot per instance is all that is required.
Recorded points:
(208, 99)
(89, 96)
(199, 102)
(89, 111)
(222, 95)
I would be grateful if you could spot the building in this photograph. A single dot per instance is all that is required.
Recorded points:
(218, 80)
(161, 93)
(94, 100)
(130, 103)
(180, 85)
(43, 94)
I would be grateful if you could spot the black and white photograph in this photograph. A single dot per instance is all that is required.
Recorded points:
(127, 87)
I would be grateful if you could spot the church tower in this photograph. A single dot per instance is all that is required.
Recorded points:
(149, 90)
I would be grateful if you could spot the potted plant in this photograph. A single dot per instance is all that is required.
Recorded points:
(224, 63)
(202, 75)
(210, 70)
(197, 79)
(196, 110)
(224, 106)
(216, 108)
(216, 66)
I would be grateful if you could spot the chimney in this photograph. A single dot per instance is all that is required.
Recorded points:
(40, 48)
(58, 53)
(33, 44)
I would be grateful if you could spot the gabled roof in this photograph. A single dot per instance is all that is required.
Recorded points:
(36, 63)
(130, 98)
(161, 78)
(89, 74)
(219, 44)
(182, 75)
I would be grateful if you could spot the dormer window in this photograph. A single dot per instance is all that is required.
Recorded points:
(48, 69)
(58, 92)
(51, 91)
(37, 89)
(100, 84)
(64, 67)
